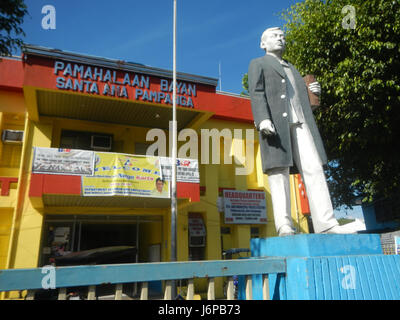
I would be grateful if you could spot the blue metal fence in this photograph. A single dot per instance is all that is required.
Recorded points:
(328, 267)
(92, 275)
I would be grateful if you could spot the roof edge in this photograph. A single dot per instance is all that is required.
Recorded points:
(231, 94)
(34, 50)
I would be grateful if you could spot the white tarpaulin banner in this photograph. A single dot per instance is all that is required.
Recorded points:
(63, 161)
(245, 207)
(187, 170)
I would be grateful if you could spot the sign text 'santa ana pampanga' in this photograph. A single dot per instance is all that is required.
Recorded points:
(112, 83)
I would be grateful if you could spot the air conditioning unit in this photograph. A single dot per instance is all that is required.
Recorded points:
(12, 136)
(99, 142)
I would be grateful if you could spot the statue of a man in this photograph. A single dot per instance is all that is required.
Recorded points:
(288, 135)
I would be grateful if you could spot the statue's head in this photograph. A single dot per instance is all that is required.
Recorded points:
(273, 40)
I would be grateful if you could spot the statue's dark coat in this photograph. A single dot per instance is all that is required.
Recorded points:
(269, 100)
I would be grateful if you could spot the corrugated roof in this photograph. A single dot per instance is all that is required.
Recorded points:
(106, 201)
(85, 107)
(114, 64)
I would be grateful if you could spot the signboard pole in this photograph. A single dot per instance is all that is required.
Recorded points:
(174, 155)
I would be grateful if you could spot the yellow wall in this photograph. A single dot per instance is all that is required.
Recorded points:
(150, 233)
(27, 223)
(5, 227)
(10, 158)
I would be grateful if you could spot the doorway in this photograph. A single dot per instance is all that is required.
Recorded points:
(64, 234)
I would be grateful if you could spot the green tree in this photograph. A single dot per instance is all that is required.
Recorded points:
(245, 85)
(343, 221)
(12, 14)
(356, 60)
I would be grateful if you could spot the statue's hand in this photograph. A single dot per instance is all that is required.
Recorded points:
(315, 88)
(267, 127)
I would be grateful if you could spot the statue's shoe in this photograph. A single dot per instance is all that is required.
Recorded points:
(340, 230)
(286, 231)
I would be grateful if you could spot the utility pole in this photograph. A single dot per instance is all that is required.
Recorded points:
(174, 206)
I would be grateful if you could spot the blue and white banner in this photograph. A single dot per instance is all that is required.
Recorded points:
(187, 170)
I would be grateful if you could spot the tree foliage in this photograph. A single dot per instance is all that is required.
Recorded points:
(359, 116)
(245, 85)
(12, 14)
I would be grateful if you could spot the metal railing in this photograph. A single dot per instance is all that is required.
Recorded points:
(95, 275)
(389, 242)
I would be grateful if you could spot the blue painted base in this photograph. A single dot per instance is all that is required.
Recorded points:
(316, 245)
(328, 267)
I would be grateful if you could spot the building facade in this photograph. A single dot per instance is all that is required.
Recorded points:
(55, 103)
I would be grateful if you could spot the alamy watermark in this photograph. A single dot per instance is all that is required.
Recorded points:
(49, 20)
(349, 20)
(349, 280)
(239, 146)
(49, 280)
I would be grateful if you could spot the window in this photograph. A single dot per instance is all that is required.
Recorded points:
(197, 237)
(225, 230)
(141, 149)
(84, 140)
(254, 232)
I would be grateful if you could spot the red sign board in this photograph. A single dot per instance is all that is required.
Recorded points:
(102, 81)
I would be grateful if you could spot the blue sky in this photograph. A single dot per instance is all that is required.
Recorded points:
(356, 212)
(210, 32)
